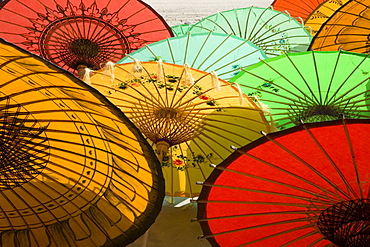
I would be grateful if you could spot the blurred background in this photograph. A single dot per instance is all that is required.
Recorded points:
(190, 11)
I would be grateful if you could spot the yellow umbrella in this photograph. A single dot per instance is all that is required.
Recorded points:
(74, 171)
(190, 116)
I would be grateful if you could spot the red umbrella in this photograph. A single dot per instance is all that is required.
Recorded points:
(302, 186)
(70, 33)
(301, 8)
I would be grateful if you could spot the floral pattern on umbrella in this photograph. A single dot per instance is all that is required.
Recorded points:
(190, 116)
(273, 31)
(223, 53)
(310, 86)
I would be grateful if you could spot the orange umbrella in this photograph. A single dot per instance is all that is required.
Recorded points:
(321, 14)
(74, 171)
(190, 116)
(347, 29)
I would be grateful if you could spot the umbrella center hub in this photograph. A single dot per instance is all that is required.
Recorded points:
(347, 223)
(84, 48)
(318, 113)
(24, 149)
(166, 113)
(168, 124)
(69, 42)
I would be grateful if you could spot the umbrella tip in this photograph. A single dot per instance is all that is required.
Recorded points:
(87, 76)
(233, 147)
(215, 81)
(301, 121)
(194, 199)
(212, 165)
(263, 133)
(193, 220)
(200, 237)
(199, 183)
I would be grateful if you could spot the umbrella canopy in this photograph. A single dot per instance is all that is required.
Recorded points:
(222, 53)
(180, 29)
(275, 32)
(298, 187)
(74, 171)
(322, 13)
(310, 86)
(70, 33)
(346, 29)
(190, 116)
(300, 8)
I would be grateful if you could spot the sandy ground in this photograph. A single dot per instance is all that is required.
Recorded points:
(173, 228)
(179, 12)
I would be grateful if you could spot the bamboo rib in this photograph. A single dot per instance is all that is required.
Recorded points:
(345, 181)
(181, 118)
(345, 189)
(340, 96)
(334, 198)
(31, 208)
(351, 29)
(317, 172)
(355, 166)
(70, 160)
(300, 238)
(292, 174)
(282, 233)
(55, 44)
(205, 51)
(304, 212)
(246, 23)
(261, 226)
(302, 198)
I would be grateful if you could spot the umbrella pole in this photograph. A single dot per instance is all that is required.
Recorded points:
(145, 238)
(162, 149)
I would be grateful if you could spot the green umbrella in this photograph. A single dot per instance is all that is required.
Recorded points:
(180, 29)
(275, 32)
(223, 53)
(310, 86)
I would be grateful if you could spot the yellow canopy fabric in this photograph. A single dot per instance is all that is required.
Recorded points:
(322, 13)
(74, 171)
(190, 116)
(346, 29)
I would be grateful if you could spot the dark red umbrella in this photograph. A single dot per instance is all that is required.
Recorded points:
(70, 33)
(302, 186)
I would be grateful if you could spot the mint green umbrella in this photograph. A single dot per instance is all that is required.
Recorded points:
(223, 53)
(275, 32)
(310, 86)
(180, 29)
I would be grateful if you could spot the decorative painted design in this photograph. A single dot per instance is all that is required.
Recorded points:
(171, 83)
